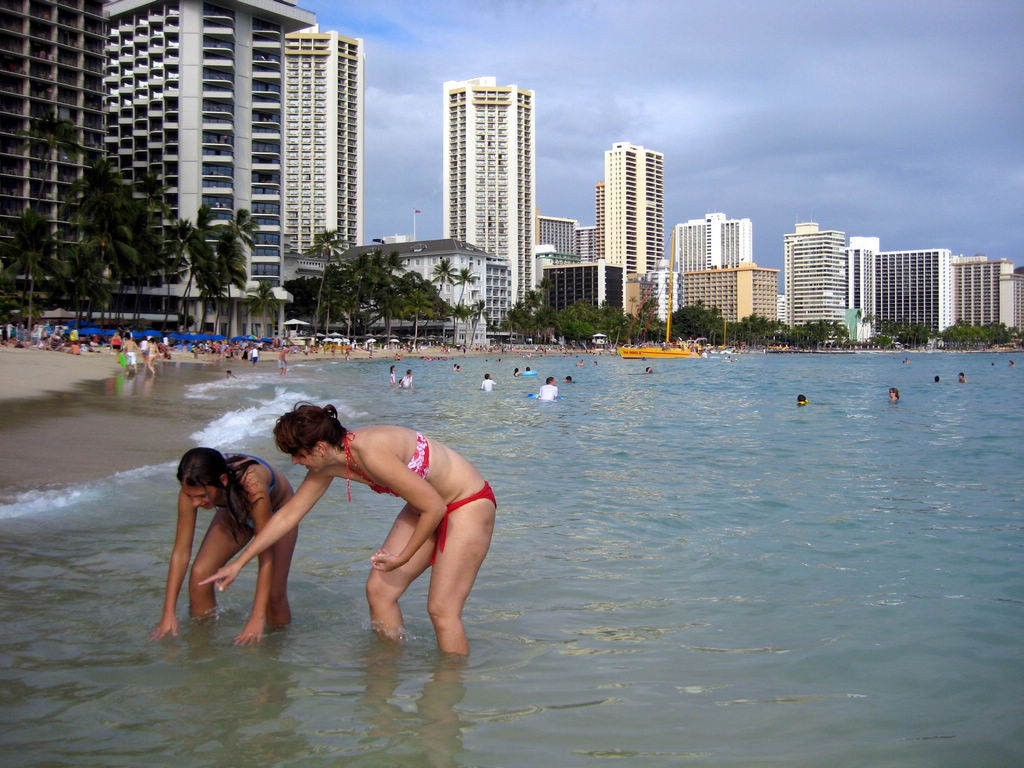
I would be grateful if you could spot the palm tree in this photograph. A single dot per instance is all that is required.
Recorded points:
(462, 313)
(388, 298)
(261, 302)
(103, 209)
(84, 281)
(326, 245)
(227, 270)
(444, 274)
(191, 240)
(479, 311)
(464, 277)
(30, 251)
(45, 137)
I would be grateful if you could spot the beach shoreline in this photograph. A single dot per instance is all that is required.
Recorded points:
(77, 418)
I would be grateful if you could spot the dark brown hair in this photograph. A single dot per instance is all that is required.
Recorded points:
(305, 425)
(204, 466)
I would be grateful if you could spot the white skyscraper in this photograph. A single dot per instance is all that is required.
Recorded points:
(815, 279)
(489, 178)
(323, 138)
(714, 242)
(633, 208)
(195, 98)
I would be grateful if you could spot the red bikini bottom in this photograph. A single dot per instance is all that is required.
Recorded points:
(442, 529)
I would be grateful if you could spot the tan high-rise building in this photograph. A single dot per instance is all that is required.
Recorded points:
(978, 288)
(634, 208)
(323, 138)
(489, 173)
(738, 292)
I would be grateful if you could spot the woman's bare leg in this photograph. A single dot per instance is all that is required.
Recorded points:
(217, 548)
(383, 589)
(468, 539)
(279, 613)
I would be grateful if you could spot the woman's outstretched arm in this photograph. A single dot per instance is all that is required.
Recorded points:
(285, 519)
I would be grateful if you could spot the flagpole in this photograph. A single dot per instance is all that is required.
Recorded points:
(414, 224)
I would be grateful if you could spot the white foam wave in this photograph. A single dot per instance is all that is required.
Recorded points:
(235, 426)
(38, 502)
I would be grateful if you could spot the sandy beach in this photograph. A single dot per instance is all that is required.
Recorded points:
(28, 372)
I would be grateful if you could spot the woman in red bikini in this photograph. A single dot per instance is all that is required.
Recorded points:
(434, 481)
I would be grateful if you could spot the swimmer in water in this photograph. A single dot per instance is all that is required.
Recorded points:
(801, 400)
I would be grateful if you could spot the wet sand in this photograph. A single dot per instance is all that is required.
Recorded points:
(97, 428)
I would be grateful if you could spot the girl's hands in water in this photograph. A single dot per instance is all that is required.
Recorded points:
(170, 624)
(224, 576)
(384, 561)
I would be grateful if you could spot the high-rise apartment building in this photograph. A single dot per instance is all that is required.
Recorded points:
(51, 64)
(592, 282)
(1011, 298)
(738, 292)
(586, 243)
(323, 138)
(557, 232)
(860, 287)
(489, 173)
(977, 284)
(815, 274)
(860, 273)
(634, 208)
(195, 92)
(914, 287)
(714, 242)
(599, 219)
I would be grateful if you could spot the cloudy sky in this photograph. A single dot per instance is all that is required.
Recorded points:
(891, 118)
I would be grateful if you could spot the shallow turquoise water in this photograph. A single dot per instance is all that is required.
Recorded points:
(687, 569)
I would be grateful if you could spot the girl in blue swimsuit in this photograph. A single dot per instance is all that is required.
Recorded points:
(445, 524)
(245, 491)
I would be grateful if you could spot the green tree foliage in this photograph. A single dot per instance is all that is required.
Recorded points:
(31, 251)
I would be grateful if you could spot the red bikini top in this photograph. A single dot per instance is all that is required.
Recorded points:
(419, 463)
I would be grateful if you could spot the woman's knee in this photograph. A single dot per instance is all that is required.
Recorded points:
(443, 610)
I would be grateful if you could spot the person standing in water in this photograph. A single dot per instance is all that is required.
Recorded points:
(245, 491)
(445, 524)
(548, 390)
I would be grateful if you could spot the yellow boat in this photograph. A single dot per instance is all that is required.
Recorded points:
(653, 351)
(668, 350)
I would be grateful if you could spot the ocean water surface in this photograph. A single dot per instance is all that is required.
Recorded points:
(687, 569)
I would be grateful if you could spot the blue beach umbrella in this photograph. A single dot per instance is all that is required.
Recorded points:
(91, 331)
(217, 337)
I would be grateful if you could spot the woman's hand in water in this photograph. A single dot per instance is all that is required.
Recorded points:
(224, 576)
(169, 624)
